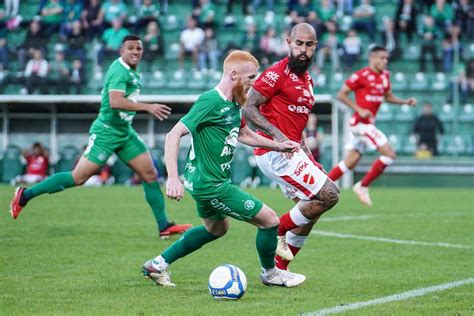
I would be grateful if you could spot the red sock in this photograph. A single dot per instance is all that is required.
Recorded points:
(286, 224)
(376, 170)
(281, 263)
(335, 173)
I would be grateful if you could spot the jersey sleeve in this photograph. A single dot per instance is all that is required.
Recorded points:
(354, 81)
(269, 82)
(118, 80)
(199, 114)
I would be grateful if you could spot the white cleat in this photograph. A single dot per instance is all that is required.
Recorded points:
(362, 193)
(283, 278)
(160, 277)
(283, 250)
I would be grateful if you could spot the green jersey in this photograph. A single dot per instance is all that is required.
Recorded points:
(119, 77)
(214, 124)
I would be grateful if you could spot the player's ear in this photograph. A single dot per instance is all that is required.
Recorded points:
(234, 75)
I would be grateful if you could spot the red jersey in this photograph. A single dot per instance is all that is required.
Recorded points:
(369, 88)
(37, 165)
(290, 100)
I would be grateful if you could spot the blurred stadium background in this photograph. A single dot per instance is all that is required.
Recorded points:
(57, 107)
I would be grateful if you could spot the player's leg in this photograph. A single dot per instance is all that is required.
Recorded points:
(136, 155)
(350, 162)
(56, 183)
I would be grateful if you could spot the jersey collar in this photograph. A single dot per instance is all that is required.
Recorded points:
(221, 94)
(124, 63)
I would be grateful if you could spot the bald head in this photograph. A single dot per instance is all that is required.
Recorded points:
(303, 29)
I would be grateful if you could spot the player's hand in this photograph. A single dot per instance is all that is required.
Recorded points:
(411, 101)
(364, 113)
(317, 164)
(174, 189)
(288, 146)
(160, 111)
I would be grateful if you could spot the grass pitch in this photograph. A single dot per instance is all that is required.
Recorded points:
(80, 252)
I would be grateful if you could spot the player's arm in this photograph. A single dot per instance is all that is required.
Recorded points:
(390, 97)
(343, 96)
(249, 137)
(252, 113)
(174, 186)
(120, 102)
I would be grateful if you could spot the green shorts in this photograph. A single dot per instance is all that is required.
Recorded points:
(104, 140)
(228, 200)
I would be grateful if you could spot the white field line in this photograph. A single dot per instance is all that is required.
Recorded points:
(369, 216)
(391, 298)
(389, 240)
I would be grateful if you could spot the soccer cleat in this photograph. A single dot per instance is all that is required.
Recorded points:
(15, 207)
(283, 278)
(160, 277)
(283, 250)
(362, 193)
(174, 229)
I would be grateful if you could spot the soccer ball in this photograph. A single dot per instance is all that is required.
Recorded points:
(227, 282)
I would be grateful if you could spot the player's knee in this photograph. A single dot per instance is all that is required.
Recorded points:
(79, 179)
(271, 221)
(149, 175)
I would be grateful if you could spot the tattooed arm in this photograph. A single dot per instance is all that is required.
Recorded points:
(308, 152)
(252, 114)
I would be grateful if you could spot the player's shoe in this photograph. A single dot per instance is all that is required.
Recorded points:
(174, 229)
(15, 207)
(283, 250)
(362, 193)
(160, 277)
(283, 278)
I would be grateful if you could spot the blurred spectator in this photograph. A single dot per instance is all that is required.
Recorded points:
(451, 44)
(209, 52)
(76, 41)
(314, 20)
(245, 7)
(147, 12)
(352, 45)
(251, 40)
(301, 11)
(425, 5)
(464, 81)
(427, 127)
(256, 4)
(268, 47)
(405, 19)
(111, 11)
(36, 72)
(58, 75)
(34, 40)
(12, 8)
(442, 13)
(330, 43)
(311, 136)
(464, 17)
(4, 52)
(163, 9)
(326, 11)
(112, 40)
(281, 46)
(205, 14)
(3, 78)
(72, 13)
(191, 39)
(51, 17)
(390, 38)
(364, 19)
(153, 46)
(37, 164)
(77, 78)
(3, 19)
(428, 43)
(91, 21)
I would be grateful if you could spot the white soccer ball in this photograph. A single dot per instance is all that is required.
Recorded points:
(227, 282)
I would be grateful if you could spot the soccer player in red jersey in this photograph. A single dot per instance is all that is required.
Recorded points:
(37, 164)
(371, 85)
(279, 104)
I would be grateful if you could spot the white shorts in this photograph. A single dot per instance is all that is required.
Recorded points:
(366, 137)
(31, 178)
(297, 177)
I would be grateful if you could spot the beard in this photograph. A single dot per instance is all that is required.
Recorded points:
(298, 66)
(239, 93)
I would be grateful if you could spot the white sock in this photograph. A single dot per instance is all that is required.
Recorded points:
(297, 217)
(159, 263)
(295, 240)
(342, 166)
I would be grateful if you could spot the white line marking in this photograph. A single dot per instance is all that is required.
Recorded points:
(347, 218)
(369, 216)
(393, 241)
(391, 298)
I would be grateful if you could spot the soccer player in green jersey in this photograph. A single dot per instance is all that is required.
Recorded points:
(215, 124)
(112, 132)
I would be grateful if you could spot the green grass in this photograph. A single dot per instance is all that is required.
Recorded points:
(80, 252)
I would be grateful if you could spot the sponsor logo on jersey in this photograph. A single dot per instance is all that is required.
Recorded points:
(371, 78)
(302, 165)
(220, 206)
(125, 116)
(230, 142)
(354, 77)
(374, 98)
(270, 78)
(293, 77)
(225, 109)
(249, 205)
(308, 178)
(298, 108)
(225, 166)
(188, 185)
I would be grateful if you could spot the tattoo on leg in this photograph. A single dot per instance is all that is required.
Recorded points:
(328, 196)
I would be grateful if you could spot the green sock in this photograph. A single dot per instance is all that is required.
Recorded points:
(191, 241)
(155, 199)
(266, 246)
(57, 182)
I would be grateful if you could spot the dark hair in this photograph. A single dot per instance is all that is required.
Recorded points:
(131, 37)
(376, 48)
